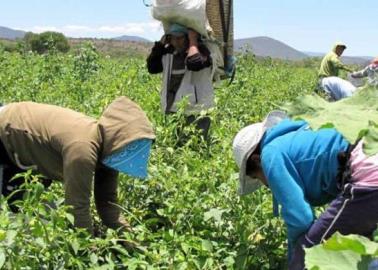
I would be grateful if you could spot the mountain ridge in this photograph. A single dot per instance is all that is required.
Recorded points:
(261, 46)
(9, 33)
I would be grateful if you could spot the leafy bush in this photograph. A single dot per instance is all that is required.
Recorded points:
(86, 62)
(46, 41)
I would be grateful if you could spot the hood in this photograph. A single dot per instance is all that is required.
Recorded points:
(286, 126)
(122, 122)
(337, 44)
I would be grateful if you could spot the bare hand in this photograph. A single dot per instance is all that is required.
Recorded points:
(164, 40)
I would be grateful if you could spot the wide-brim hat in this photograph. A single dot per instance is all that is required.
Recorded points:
(246, 142)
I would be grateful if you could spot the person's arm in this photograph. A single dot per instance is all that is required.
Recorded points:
(105, 194)
(79, 163)
(338, 64)
(283, 180)
(154, 60)
(361, 73)
(198, 55)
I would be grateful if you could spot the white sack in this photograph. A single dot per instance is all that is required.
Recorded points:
(189, 13)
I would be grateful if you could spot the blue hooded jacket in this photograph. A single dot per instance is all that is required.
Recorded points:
(301, 166)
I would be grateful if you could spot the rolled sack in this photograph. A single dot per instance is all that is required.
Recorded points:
(190, 13)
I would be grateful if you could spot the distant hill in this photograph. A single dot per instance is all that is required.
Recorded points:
(349, 60)
(132, 38)
(355, 60)
(8, 33)
(266, 46)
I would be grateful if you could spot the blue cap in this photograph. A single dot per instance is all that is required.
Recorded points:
(132, 159)
(176, 29)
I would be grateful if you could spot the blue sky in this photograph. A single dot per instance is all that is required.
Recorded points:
(307, 25)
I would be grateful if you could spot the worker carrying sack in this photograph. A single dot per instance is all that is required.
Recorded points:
(212, 19)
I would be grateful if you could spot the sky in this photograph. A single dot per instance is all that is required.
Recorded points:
(306, 25)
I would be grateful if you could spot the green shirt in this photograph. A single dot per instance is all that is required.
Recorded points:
(331, 65)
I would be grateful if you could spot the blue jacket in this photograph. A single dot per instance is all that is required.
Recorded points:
(301, 168)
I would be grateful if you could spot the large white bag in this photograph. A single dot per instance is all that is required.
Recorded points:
(189, 13)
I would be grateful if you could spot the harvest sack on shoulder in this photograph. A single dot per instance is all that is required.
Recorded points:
(190, 13)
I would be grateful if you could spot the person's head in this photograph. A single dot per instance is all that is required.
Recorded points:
(375, 61)
(339, 48)
(127, 137)
(178, 36)
(131, 159)
(254, 169)
(246, 148)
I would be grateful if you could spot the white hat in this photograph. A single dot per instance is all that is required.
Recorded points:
(245, 142)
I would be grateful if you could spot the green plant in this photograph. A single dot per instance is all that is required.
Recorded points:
(343, 252)
(46, 41)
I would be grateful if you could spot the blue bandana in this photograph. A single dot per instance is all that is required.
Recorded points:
(132, 159)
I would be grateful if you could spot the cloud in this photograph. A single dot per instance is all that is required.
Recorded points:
(150, 30)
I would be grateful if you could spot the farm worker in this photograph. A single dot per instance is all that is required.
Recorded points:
(370, 71)
(186, 65)
(65, 145)
(329, 80)
(303, 169)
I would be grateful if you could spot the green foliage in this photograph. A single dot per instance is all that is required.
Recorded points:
(46, 41)
(86, 62)
(8, 45)
(342, 252)
(187, 215)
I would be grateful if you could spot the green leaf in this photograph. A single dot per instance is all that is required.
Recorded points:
(75, 246)
(214, 213)
(321, 258)
(327, 125)
(11, 235)
(359, 244)
(207, 245)
(3, 234)
(70, 218)
(185, 247)
(93, 257)
(2, 258)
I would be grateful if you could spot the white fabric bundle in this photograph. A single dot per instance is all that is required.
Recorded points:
(189, 13)
(337, 88)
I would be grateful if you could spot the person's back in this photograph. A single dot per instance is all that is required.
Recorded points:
(40, 133)
(312, 153)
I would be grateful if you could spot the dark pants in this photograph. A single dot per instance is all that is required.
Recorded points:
(11, 187)
(354, 211)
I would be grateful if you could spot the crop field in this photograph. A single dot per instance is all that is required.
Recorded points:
(187, 214)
